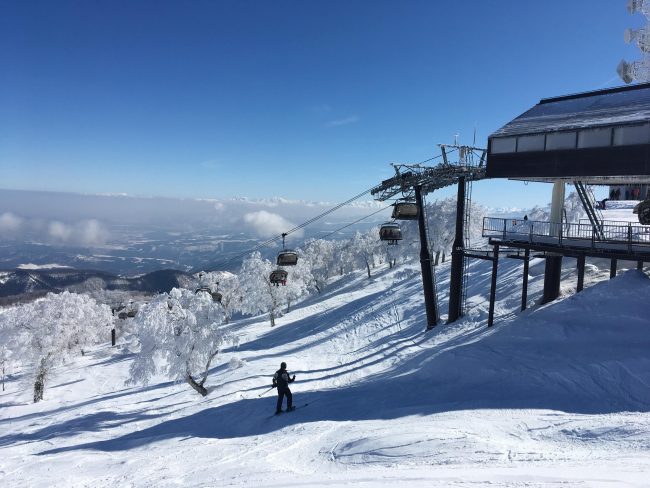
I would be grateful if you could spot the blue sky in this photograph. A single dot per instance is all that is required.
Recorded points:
(299, 99)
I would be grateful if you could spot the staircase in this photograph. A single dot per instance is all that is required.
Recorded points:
(589, 203)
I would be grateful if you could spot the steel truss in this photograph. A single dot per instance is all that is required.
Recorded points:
(470, 165)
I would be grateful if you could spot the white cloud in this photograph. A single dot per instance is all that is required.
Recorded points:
(346, 121)
(10, 222)
(59, 231)
(86, 233)
(267, 224)
(91, 233)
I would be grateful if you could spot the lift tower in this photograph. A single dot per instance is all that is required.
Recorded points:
(415, 181)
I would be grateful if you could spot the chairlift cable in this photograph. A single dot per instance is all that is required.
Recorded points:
(305, 224)
(282, 236)
(333, 209)
(355, 222)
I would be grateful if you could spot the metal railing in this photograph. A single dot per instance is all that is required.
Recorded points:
(581, 234)
(609, 222)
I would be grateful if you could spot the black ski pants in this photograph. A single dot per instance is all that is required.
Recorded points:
(282, 392)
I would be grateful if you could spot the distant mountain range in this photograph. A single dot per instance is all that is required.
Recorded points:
(129, 235)
(18, 284)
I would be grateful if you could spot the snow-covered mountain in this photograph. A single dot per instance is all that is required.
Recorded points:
(555, 396)
(23, 283)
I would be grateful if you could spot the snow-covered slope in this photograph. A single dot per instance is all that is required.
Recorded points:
(559, 395)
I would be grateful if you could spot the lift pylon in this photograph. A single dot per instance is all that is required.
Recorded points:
(415, 181)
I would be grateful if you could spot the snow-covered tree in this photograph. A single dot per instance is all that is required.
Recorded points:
(48, 332)
(231, 296)
(179, 334)
(540, 214)
(574, 208)
(224, 288)
(441, 226)
(259, 295)
(572, 205)
(366, 246)
(298, 281)
(441, 222)
(4, 363)
(320, 255)
(344, 256)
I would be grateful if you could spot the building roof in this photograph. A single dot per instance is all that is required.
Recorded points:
(587, 136)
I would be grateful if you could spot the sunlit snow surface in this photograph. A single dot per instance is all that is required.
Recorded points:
(557, 396)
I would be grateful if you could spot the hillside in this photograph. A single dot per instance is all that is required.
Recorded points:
(20, 284)
(558, 393)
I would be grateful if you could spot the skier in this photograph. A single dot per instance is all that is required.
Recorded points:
(281, 380)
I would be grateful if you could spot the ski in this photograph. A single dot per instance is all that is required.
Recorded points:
(296, 408)
(289, 411)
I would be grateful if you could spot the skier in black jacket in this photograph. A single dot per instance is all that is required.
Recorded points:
(281, 380)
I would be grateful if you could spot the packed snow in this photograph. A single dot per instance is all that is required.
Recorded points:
(558, 395)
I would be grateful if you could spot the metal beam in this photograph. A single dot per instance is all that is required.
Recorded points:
(457, 256)
(493, 285)
(612, 268)
(425, 264)
(574, 252)
(524, 287)
(581, 273)
(428, 178)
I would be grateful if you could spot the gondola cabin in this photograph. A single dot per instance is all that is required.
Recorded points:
(390, 233)
(405, 211)
(278, 277)
(287, 258)
(124, 313)
(216, 296)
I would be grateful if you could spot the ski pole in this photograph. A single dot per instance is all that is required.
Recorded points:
(264, 393)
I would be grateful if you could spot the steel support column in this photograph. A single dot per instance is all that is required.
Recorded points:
(553, 268)
(639, 265)
(493, 286)
(581, 273)
(425, 264)
(612, 269)
(524, 288)
(457, 256)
